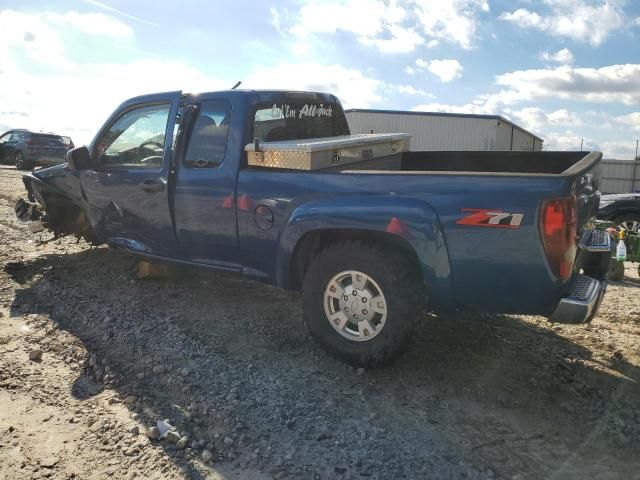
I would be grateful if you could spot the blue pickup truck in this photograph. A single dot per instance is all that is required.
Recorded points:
(371, 250)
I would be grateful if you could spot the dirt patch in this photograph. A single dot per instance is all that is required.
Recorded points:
(229, 364)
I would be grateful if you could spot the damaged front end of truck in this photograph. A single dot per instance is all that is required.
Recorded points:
(55, 204)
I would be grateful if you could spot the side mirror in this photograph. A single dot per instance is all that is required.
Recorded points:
(79, 159)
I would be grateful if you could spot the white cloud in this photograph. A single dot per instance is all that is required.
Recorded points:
(408, 90)
(77, 108)
(561, 56)
(569, 141)
(450, 20)
(576, 19)
(390, 26)
(400, 40)
(275, 19)
(619, 149)
(85, 93)
(610, 84)
(523, 18)
(364, 18)
(350, 85)
(632, 120)
(409, 70)
(444, 108)
(446, 69)
(300, 49)
(90, 23)
(37, 36)
(537, 119)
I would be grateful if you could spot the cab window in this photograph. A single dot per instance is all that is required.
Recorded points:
(17, 137)
(136, 139)
(208, 139)
(298, 120)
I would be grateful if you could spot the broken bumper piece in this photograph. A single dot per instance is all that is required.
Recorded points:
(26, 211)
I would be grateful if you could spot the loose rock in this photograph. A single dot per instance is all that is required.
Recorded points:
(180, 444)
(35, 355)
(206, 456)
(172, 436)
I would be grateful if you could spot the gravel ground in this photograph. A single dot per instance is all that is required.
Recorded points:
(92, 358)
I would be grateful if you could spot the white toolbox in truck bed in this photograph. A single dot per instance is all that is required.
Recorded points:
(319, 153)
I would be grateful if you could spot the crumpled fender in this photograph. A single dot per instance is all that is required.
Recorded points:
(415, 221)
(60, 203)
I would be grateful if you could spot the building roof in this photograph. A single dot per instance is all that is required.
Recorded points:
(444, 114)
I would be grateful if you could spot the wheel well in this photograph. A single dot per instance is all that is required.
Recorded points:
(313, 242)
(62, 217)
(625, 213)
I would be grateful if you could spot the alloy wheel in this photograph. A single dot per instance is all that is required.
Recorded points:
(355, 305)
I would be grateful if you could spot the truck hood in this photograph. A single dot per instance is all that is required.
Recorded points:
(49, 172)
(618, 197)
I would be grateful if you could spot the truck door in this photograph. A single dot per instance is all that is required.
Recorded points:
(8, 143)
(205, 207)
(127, 189)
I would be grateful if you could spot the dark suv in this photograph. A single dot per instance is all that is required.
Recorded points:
(29, 149)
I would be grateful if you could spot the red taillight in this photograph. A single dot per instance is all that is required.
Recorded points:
(558, 230)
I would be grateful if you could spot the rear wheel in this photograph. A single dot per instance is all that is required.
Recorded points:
(629, 221)
(361, 302)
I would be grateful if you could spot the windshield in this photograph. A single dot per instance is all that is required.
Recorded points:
(299, 120)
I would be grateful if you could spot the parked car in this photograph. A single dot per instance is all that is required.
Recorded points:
(369, 245)
(27, 149)
(68, 142)
(621, 209)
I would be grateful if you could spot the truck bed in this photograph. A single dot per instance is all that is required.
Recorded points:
(469, 163)
(511, 163)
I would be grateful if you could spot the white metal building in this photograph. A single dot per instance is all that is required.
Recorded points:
(620, 176)
(446, 131)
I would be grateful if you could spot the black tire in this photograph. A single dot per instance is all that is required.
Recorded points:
(399, 280)
(628, 220)
(616, 270)
(21, 163)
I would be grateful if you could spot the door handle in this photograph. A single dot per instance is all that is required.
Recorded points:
(152, 185)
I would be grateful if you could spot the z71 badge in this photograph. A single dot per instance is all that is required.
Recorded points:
(490, 218)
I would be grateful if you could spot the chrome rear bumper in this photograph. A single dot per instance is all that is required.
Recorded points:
(582, 303)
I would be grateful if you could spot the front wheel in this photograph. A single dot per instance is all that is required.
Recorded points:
(361, 302)
(20, 161)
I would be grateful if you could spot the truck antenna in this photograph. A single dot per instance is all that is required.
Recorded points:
(236, 85)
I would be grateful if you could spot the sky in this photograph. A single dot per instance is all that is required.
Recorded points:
(567, 70)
